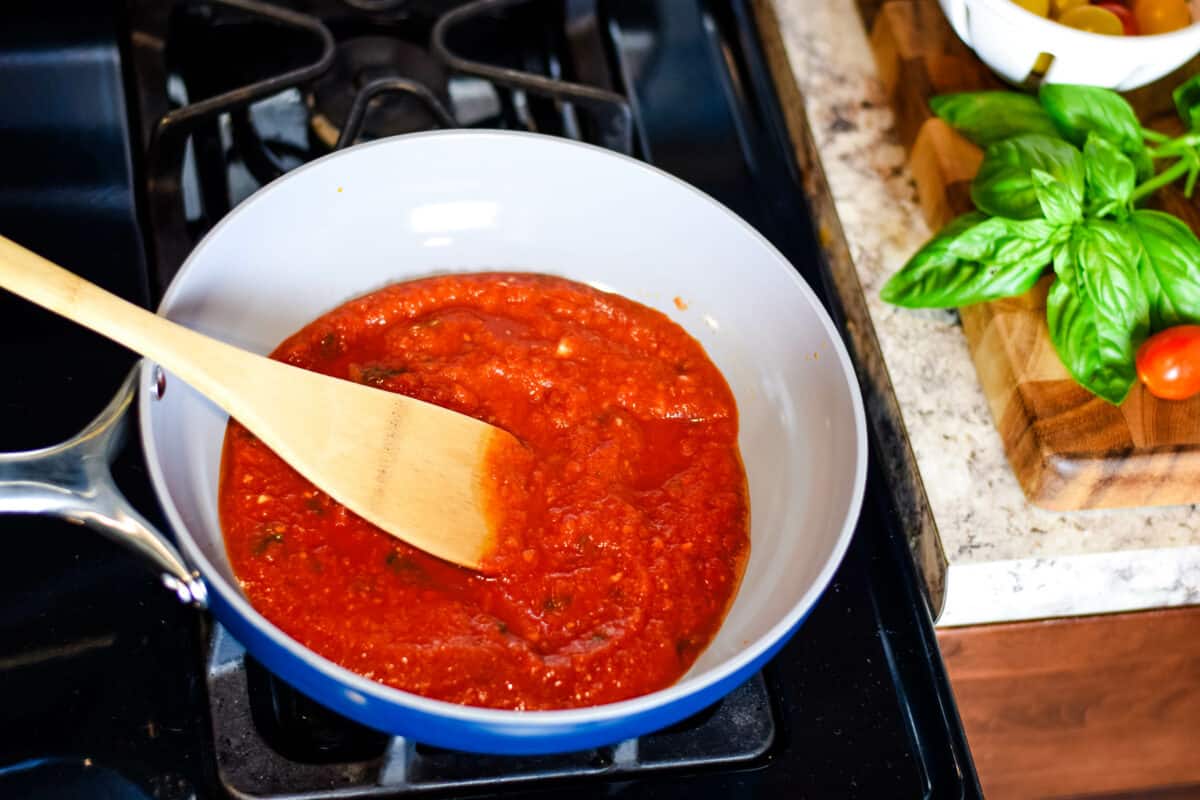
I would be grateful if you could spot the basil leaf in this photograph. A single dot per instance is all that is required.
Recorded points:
(1072, 319)
(938, 278)
(1097, 325)
(922, 280)
(1108, 258)
(999, 240)
(1004, 184)
(1169, 268)
(1187, 102)
(1080, 110)
(1065, 265)
(987, 117)
(1110, 176)
(1059, 205)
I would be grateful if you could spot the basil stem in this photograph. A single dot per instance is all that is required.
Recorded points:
(1164, 178)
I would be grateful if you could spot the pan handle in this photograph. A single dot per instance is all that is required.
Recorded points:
(72, 481)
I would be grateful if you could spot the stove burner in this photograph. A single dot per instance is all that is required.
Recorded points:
(273, 742)
(365, 60)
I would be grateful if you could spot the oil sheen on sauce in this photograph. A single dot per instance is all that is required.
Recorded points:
(622, 528)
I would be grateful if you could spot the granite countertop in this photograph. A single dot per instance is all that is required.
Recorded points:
(987, 554)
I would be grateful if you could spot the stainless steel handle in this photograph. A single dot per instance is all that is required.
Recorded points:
(72, 481)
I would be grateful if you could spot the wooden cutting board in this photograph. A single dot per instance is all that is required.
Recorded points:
(1068, 448)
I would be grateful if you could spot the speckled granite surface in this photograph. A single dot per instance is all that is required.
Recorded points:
(1005, 559)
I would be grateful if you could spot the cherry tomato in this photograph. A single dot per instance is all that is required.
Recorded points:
(1060, 7)
(1039, 7)
(1161, 16)
(1124, 14)
(1169, 362)
(1093, 19)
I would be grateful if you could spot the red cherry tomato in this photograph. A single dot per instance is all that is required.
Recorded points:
(1169, 362)
(1122, 13)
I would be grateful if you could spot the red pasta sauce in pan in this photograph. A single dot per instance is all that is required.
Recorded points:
(623, 526)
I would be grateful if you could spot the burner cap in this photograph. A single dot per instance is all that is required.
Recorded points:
(364, 59)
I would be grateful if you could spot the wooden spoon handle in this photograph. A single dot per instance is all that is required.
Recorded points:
(187, 354)
(410, 467)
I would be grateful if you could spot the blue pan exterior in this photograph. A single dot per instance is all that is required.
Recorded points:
(475, 736)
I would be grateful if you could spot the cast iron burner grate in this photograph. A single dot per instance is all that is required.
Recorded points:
(272, 742)
(385, 69)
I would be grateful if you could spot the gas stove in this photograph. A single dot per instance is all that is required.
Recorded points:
(137, 126)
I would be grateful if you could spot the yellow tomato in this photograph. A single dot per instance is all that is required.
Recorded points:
(1039, 7)
(1060, 7)
(1093, 20)
(1161, 16)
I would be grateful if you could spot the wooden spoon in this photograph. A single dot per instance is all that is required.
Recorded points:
(414, 469)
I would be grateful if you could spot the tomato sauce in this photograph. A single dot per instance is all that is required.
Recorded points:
(622, 528)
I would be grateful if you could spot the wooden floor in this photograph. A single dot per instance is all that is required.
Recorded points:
(1097, 707)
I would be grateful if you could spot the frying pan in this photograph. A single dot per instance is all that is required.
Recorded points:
(452, 201)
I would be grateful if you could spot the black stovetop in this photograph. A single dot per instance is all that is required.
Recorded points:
(110, 688)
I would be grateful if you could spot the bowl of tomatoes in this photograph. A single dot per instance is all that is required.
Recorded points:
(1118, 44)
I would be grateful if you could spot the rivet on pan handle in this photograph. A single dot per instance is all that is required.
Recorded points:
(72, 481)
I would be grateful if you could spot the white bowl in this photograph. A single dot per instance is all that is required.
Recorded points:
(1009, 39)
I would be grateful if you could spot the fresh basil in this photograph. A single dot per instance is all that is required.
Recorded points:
(1080, 110)
(1060, 206)
(969, 262)
(1108, 254)
(1065, 263)
(1109, 175)
(932, 273)
(1097, 325)
(1074, 330)
(1169, 268)
(1004, 185)
(1187, 102)
(998, 240)
(987, 117)
(1119, 272)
